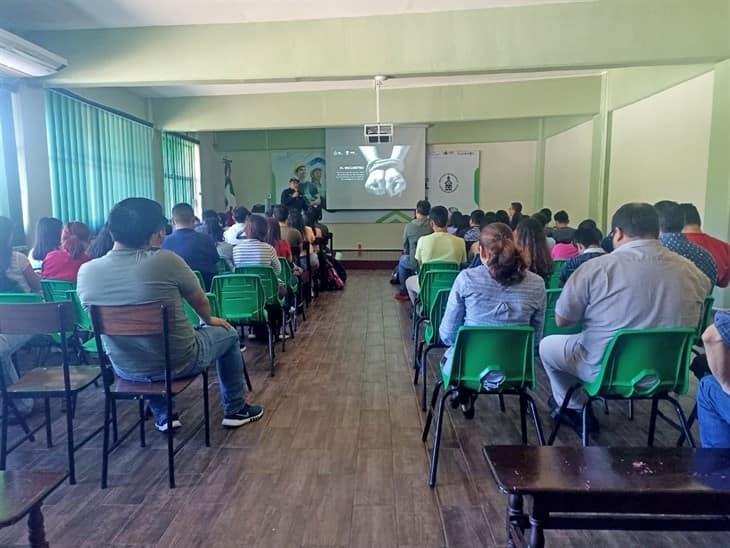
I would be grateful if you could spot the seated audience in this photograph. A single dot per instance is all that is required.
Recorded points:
(233, 232)
(530, 239)
(296, 221)
(713, 392)
(502, 292)
(208, 214)
(640, 285)
(439, 246)
(64, 263)
(563, 232)
(197, 250)
(515, 214)
(543, 219)
(273, 238)
(16, 273)
(212, 227)
(719, 250)
(548, 214)
(475, 227)
(671, 223)
(102, 244)
(563, 251)
(588, 240)
(47, 239)
(454, 221)
(413, 231)
(9, 345)
(292, 198)
(291, 235)
(501, 216)
(132, 273)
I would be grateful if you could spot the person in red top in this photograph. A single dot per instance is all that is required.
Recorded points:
(64, 263)
(719, 250)
(283, 249)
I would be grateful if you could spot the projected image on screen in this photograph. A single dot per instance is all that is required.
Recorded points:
(385, 176)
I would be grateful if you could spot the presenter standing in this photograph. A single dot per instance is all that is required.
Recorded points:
(292, 198)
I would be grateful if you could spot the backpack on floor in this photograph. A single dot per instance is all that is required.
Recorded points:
(333, 281)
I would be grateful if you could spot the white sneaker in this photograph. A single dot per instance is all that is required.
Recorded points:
(162, 427)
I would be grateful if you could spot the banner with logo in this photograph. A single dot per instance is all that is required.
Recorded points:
(453, 179)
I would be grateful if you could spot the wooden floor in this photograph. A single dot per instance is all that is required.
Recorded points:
(336, 461)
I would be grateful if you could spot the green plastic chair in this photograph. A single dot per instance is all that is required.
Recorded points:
(292, 283)
(706, 317)
(270, 283)
(241, 301)
(55, 291)
(554, 282)
(550, 327)
(430, 284)
(83, 325)
(436, 265)
(193, 315)
(20, 298)
(222, 266)
(431, 339)
(488, 360)
(640, 364)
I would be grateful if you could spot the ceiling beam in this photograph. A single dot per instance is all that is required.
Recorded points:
(536, 98)
(600, 34)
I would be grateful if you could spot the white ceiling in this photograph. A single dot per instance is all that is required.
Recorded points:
(202, 90)
(24, 15)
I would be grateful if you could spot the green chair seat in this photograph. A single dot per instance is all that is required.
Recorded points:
(550, 327)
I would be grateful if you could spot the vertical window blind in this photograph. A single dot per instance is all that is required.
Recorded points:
(181, 170)
(97, 158)
(4, 205)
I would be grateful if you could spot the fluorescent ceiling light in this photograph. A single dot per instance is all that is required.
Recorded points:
(20, 58)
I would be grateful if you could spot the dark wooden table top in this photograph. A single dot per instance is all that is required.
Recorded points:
(21, 490)
(627, 470)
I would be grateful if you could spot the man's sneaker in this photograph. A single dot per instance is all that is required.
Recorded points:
(250, 413)
(403, 297)
(162, 426)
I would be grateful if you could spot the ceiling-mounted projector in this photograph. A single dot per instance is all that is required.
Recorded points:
(378, 133)
(20, 58)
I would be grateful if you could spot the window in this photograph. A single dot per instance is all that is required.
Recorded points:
(9, 185)
(97, 158)
(181, 171)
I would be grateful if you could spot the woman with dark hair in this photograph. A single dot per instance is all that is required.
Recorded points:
(530, 239)
(273, 238)
(64, 263)
(102, 244)
(47, 239)
(16, 273)
(502, 216)
(297, 220)
(500, 292)
(213, 228)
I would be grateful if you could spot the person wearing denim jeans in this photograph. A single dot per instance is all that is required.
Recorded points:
(134, 272)
(9, 345)
(407, 264)
(713, 392)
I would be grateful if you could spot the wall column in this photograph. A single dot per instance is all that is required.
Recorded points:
(598, 189)
(539, 190)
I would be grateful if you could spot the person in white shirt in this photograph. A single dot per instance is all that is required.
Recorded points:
(236, 231)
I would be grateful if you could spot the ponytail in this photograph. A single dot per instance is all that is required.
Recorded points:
(506, 263)
(75, 239)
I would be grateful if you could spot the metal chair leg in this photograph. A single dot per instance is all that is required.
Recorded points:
(49, 428)
(105, 448)
(70, 441)
(690, 421)
(631, 410)
(437, 437)
(4, 434)
(282, 329)
(429, 416)
(682, 421)
(535, 418)
(206, 408)
(652, 421)
(523, 417)
(585, 434)
(502, 408)
(142, 441)
(170, 445)
(424, 377)
(563, 407)
(115, 430)
(245, 374)
(271, 347)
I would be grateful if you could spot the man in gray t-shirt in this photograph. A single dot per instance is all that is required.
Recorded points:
(134, 273)
(640, 285)
(412, 232)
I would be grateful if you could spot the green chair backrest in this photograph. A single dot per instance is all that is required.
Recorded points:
(435, 315)
(645, 362)
(705, 316)
(436, 265)
(433, 282)
(504, 354)
(83, 320)
(222, 266)
(56, 290)
(240, 298)
(269, 281)
(200, 278)
(287, 275)
(193, 316)
(550, 327)
(554, 282)
(20, 298)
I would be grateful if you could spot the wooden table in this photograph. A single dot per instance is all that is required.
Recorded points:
(638, 488)
(22, 493)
